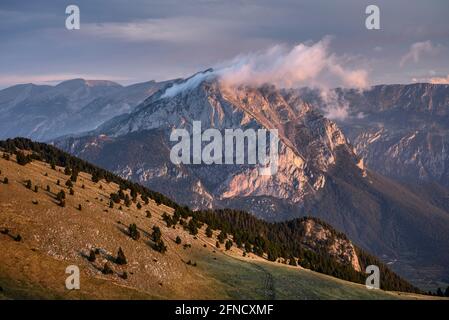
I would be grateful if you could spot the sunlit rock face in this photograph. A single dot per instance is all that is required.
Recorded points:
(308, 144)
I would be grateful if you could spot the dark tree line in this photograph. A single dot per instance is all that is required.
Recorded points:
(275, 240)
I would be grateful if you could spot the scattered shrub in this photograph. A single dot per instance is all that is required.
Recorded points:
(92, 256)
(121, 259)
(133, 232)
(157, 234)
(160, 246)
(60, 196)
(69, 184)
(107, 269)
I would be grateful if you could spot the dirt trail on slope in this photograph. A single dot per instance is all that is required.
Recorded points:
(268, 284)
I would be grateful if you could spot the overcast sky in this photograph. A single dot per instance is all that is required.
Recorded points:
(134, 41)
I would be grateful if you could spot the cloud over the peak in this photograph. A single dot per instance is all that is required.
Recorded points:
(301, 65)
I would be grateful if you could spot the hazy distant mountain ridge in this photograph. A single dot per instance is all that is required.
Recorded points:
(43, 112)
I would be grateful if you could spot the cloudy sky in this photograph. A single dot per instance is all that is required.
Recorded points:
(134, 41)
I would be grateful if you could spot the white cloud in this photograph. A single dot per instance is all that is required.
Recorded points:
(335, 108)
(303, 65)
(417, 50)
(309, 65)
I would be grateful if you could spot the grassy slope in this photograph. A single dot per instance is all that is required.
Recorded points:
(55, 237)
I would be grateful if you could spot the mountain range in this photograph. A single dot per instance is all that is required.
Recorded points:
(43, 112)
(377, 171)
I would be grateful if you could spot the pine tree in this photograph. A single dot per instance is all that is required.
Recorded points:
(121, 259)
(133, 232)
(36, 189)
(156, 235)
(71, 192)
(139, 206)
(5, 180)
(127, 201)
(440, 292)
(95, 177)
(292, 262)
(58, 182)
(228, 245)
(61, 195)
(209, 232)
(160, 246)
(22, 159)
(222, 236)
(69, 184)
(178, 240)
(74, 176)
(48, 188)
(28, 184)
(92, 257)
(107, 269)
(148, 213)
(79, 207)
(446, 292)
(67, 171)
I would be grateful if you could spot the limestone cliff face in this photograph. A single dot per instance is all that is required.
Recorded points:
(401, 131)
(337, 246)
(308, 143)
